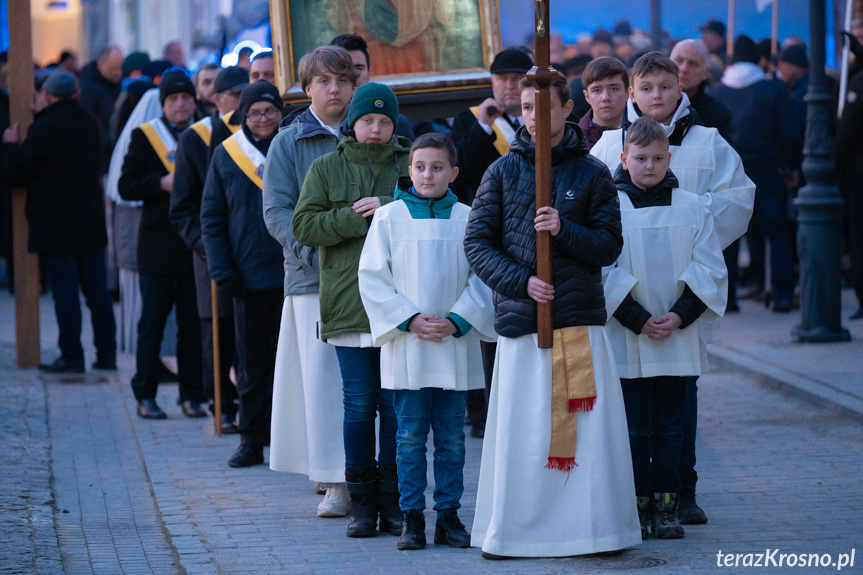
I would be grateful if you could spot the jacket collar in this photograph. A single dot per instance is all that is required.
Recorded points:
(650, 196)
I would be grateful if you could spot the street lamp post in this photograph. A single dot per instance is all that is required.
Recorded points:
(819, 206)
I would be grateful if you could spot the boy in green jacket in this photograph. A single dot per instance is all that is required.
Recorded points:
(340, 194)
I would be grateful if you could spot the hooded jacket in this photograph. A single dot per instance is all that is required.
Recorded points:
(325, 217)
(500, 242)
(291, 154)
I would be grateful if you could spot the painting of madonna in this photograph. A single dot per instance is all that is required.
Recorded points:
(404, 36)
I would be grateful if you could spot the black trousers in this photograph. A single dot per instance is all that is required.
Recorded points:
(160, 293)
(477, 399)
(257, 318)
(226, 359)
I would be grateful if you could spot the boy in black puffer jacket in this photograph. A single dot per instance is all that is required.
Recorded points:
(531, 429)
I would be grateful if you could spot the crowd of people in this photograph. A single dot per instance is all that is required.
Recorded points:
(364, 280)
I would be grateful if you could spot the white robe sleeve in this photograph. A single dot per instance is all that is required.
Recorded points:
(730, 195)
(385, 307)
(475, 306)
(616, 282)
(606, 152)
(706, 275)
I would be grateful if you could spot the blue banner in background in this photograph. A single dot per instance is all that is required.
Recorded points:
(4, 27)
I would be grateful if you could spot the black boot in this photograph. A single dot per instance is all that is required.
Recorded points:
(391, 514)
(363, 486)
(450, 531)
(643, 503)
(664, 516)
(688, 511)
(413, 530)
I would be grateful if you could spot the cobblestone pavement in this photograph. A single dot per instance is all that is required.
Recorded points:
(90, 488)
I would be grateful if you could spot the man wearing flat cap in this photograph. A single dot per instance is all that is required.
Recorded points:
(193, 159)
(164, 261)
(60, 164)
(482, 135)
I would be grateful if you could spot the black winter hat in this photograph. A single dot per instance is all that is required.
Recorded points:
(746, 50)
(231, 79)
(511, 60)
(175, 82)
(155, 68)
(795, 55)
(260, 91)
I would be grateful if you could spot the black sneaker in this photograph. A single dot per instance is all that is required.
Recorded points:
(413, 531)
(192, 408)
(247, 456)
(63, 365)
(449, 530)
(664, 517)
(229, 426)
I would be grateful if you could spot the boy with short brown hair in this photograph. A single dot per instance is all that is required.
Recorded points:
(606, 82)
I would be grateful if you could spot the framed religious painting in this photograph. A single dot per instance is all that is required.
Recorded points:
(425, 50)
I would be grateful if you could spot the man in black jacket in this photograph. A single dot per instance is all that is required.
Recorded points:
(185, 214)
(100, 88)
(164, 262)
(59, 162)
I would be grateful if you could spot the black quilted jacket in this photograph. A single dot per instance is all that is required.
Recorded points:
(500, 242)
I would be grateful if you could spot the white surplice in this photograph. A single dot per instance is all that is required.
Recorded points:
(526, 510)
(664, 249)
(308, 411)
(411, 266)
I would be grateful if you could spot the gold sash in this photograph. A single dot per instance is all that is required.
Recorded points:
(232, 127)
(501, 144)
(573, 389)
(235, 149)
(166, 151)
(204, 129)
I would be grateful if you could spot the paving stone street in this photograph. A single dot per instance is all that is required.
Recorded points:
(88, 487)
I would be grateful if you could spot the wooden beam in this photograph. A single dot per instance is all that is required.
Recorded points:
(543, 74)
(20, 81)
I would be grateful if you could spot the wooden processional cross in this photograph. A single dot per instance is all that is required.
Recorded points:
(21, 91)
(542, 75)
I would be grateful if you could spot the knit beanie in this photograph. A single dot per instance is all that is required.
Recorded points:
(61, 84)
(260, 91)
(134, 61)
(373, 98)
(794, 55)
(746, 50)
(175, 82)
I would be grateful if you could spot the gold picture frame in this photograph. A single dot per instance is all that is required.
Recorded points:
(417, 47)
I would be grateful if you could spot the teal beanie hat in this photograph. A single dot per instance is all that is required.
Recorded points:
(373, 98)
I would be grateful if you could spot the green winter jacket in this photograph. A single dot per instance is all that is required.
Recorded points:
(324, 217)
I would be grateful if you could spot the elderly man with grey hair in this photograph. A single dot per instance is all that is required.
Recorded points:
(691, 59)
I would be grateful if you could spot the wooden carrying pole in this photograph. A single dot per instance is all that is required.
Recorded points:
(21, 91)
(542, 75)
(217, 360)
(729, 38)
(774, 30)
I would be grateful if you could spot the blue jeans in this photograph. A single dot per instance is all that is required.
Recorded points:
(443, 411)
(68, 276)
(364, 398)
(654, 416)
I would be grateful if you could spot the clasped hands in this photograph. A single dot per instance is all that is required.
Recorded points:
(430, 327)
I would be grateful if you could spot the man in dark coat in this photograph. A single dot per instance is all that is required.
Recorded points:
(164, 261)
(246, 262)
(185, 214)
(849, 161)
(100, 87)
(59, 162)
(767, 132)
(482, 135)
